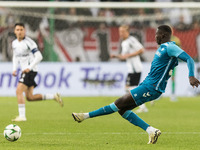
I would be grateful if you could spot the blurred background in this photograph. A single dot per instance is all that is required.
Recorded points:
(85, 32)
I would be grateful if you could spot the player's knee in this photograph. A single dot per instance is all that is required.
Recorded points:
(29, 98)
(122, 111)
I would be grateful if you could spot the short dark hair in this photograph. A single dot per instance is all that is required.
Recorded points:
(19, 24)
(166, 29)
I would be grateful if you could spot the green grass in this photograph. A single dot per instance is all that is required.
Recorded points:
(50, 127)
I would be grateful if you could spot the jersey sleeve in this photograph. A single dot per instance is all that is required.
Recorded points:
(131, 45)
(37, 59)
(125, 48)
(173, 50)
(32, 45)
(137, 45)
(190, 63)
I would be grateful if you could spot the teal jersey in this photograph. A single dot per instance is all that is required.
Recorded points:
(164, 61)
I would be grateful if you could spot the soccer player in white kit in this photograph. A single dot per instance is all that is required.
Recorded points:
(131, 49)
(26, 53)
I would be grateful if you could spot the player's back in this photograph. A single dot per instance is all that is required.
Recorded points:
(162, 66)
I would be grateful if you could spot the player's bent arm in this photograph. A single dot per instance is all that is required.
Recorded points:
(37, 59)
(190, 63)
(140, 51)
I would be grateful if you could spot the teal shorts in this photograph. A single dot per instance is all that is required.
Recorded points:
(144, 93)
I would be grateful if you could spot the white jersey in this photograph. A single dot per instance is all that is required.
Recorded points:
(23, 53)
(131, 45)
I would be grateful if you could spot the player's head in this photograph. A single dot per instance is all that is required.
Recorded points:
(19, 31)
(163, 34)
(124, 31)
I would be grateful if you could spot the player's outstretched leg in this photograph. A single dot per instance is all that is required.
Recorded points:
(38, 97)
(55, 97)
(119, 103)
(137, 121)
(79, 117)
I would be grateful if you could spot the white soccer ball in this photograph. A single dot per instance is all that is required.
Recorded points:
(12, 132)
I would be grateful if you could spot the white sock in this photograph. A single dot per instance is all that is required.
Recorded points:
(48, 96)
(21, 109)
(86, 115)
(150, 129)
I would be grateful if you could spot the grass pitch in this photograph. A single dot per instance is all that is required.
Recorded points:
(50, 127)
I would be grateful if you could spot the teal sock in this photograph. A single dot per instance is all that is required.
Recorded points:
(134, 119)
(104, 110)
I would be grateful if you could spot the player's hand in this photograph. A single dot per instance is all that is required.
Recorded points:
(26, 71)
(14, 73)
(194, 81)
(122, 57)
(113, 56)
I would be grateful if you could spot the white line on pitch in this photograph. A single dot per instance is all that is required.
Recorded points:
(103, 133)
(114, 133)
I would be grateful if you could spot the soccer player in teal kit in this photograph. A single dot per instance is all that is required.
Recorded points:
(165, 59)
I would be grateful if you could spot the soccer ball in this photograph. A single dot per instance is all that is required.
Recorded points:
(12, 132)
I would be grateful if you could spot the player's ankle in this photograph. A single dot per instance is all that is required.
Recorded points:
(150, 129)
(86, 115)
